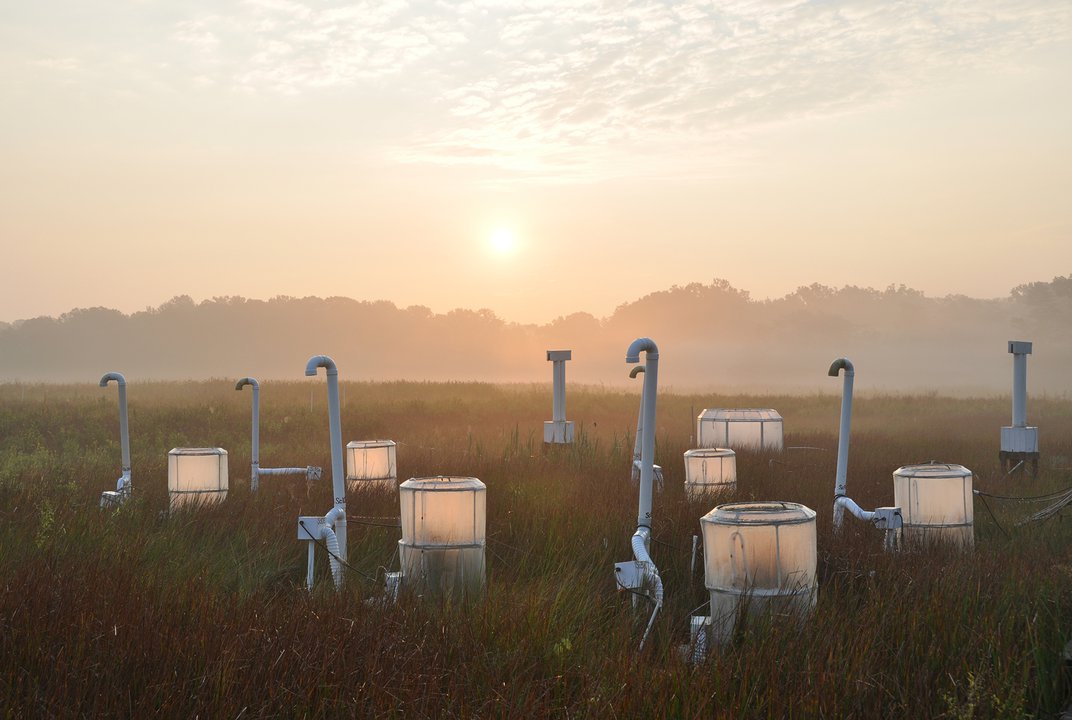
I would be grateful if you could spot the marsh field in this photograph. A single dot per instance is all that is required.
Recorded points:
(132, 613)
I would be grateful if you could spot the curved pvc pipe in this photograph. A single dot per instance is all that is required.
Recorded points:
(841, 476)
(255, 462)
(338, 478)
(842, 503)
(647, 442)
(124, 483)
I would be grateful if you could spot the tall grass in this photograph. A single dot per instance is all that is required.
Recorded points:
(133, 613)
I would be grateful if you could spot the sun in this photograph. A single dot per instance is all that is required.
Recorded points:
(502, 242)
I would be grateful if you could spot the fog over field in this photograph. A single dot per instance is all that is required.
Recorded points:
(711, 336)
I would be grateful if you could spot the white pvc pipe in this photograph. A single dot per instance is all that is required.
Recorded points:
(657, 472)
(646, 431)
(124, 483)
(639, 369)
(840, 478)
(1019, 390)
(647, 442)
(255, 464)
(842, 503)
(287, 471)
(338, 477)
(558, 406)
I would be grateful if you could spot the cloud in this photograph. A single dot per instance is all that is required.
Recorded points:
(540, 85)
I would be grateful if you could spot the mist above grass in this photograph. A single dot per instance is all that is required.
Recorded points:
(712, 336)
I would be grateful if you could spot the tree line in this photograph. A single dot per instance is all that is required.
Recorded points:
(711, 335)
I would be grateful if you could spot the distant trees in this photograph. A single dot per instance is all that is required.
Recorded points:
(711, 334)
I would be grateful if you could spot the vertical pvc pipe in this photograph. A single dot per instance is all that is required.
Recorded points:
(1019, 390)
(558, 410)
(640, 418)
(338, 476)
(124, 435)
(841, 475)
(255, 443)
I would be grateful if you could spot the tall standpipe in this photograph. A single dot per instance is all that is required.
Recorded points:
(112, 498)
(558, 430)
(1019, 442)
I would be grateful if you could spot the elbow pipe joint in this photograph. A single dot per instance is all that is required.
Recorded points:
(321, 361)
(636, 371)
(841, 364)
(647, 345)
(118, 377)
(249, 381)
(843, 501)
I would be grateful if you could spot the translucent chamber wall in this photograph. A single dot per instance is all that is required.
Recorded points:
(196, 475)
(371, 464)
(443, 535)
(710, 470)
(759, 557)
(936, 504)
(750, 428)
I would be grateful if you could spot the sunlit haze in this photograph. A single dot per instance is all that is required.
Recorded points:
(535, 158)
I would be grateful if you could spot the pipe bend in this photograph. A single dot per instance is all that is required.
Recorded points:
(841, 364)
(636, 371)
(246, 381)
(321, 361)
(646, 345)
(118, 377)
(857, 511)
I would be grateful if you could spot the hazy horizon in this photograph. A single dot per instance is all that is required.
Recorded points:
(609, 304)
(711, 335)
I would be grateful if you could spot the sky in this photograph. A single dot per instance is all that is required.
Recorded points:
(535, 158)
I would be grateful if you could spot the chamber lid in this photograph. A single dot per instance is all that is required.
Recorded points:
(364, 444)
(443, 483)
(759, 513)
(740, 415)
(197, 451)
(709, 452)
(932, 470)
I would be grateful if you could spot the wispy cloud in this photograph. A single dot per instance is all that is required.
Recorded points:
(550, 86)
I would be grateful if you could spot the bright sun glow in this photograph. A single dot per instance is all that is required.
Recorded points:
(503, 242)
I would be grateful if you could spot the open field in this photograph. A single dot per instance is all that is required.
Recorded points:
(132, 614)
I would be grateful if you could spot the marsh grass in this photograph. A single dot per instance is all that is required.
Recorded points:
(135, 613)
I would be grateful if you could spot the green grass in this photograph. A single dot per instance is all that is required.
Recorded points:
(134, 614)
